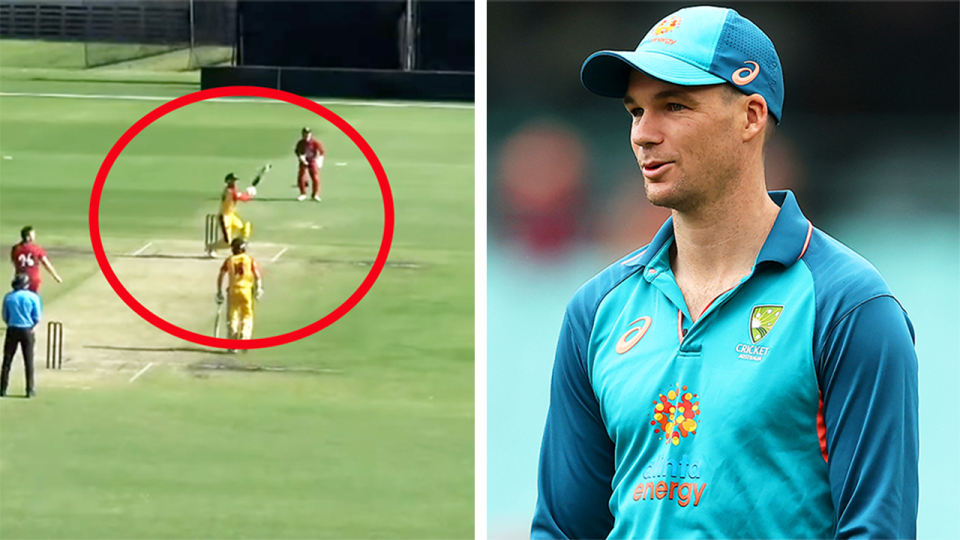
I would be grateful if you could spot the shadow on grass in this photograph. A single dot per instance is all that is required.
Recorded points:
(115, 81)
(200, 257)
(235, 365)
(158, 349)
(226, 364)
(290, 199)
(365, 263)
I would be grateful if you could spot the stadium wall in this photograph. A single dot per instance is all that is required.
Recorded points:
(347, 83)
(168, 22)
(361, 35)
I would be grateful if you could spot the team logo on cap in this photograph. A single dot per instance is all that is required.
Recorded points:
(744, 75)
(666, 25)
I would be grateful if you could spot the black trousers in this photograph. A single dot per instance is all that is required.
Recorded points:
(25, 339)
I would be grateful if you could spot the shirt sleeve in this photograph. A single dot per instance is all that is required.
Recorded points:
(576, 455)
(868, 381)
(37, 310)
(237, 195)
(6, 316)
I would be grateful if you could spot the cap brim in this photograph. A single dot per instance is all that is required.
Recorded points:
(607, 73)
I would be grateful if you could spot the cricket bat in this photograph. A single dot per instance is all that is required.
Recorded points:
(216, 321)
(263, 170)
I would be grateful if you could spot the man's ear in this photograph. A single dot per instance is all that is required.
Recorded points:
(756, 117)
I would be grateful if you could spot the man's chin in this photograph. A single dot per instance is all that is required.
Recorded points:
(660, 195)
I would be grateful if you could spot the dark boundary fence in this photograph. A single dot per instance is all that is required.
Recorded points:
(113, 31)
(347, 83)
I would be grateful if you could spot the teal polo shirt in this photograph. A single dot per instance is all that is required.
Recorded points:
(787, 410)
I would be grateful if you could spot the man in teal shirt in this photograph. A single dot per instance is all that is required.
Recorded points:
(21, 313)
(744, 375)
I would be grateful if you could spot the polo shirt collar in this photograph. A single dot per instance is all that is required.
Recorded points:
(786, 243)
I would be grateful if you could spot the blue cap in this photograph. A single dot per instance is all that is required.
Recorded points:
(693, 47)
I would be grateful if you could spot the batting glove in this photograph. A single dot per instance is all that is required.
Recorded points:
(219, 297)
(259, 293)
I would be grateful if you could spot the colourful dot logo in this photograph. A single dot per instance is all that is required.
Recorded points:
(676, 413)
(667, 25)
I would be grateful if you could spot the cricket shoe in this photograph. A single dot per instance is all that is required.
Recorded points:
(302, 198)
(316, 198)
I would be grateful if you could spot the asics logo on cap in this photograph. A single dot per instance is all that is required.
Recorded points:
(744, 76)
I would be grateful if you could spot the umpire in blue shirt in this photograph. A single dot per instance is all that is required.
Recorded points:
(21, 313)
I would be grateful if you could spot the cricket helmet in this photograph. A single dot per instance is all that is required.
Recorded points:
(230, 178)
(238, 245)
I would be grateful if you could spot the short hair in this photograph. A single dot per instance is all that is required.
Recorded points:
(25, 233)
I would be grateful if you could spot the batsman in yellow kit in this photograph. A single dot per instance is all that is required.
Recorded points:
(243, 286)
(231, 226)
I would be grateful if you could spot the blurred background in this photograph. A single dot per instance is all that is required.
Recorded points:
(868, 142)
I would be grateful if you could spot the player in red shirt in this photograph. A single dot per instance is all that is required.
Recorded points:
(27, 257)
(309, 152)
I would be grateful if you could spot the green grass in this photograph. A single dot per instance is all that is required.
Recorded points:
(97, 57)
(16, 53)
(258, 457)
(376, 444)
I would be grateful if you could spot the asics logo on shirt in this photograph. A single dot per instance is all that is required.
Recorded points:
(633, 335)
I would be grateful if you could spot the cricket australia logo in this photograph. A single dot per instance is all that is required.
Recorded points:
(762, 320)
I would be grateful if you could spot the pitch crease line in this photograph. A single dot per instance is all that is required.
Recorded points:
(277, 256)
(141, 372)
(141, 250)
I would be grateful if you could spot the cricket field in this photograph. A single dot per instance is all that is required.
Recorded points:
(363, 430)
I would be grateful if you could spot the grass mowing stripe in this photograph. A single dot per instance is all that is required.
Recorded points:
(348, 102)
